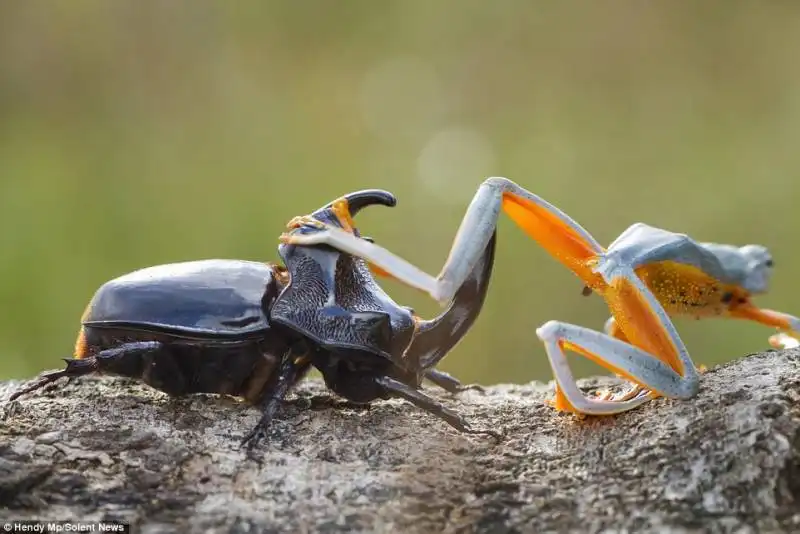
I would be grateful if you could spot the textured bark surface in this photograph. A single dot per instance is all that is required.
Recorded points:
(728, 461)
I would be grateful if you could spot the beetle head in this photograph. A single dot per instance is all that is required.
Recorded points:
(332, 298)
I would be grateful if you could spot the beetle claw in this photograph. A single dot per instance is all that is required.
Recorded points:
(468, 387)
(254, 437)
(497, 436)
(75, 367)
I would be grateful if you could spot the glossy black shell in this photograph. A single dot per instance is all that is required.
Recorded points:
(206, 298)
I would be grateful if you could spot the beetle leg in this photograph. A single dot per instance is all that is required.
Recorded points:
(292, 369)
(654, 357)
(559, 234)
(422, 401)
(75, 367)
(85, 365)
(450, 383)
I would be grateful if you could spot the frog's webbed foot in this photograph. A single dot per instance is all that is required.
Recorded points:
(784, 341)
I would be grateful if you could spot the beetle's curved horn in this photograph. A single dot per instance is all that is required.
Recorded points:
(342, 210)
(358, 200)
(368, 197)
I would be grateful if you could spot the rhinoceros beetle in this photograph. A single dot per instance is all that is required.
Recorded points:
(253, 330)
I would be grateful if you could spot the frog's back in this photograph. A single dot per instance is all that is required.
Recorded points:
(642, 245)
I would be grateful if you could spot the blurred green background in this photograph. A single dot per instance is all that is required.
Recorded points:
(137, 133)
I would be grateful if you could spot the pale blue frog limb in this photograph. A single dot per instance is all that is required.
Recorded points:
(646, 276)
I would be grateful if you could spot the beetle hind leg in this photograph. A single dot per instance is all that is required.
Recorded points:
(75, 367)
(125, 360)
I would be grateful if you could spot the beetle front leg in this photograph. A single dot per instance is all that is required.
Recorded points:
(450, 383)
(559, 234)
(397, 389)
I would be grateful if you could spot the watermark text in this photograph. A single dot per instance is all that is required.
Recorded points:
(47, 527)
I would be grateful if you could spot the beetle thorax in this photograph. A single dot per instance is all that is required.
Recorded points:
(333, 300)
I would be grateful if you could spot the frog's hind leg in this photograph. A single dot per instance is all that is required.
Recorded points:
(650, 375)
(612, 329)
(555, 231)
(641, 345)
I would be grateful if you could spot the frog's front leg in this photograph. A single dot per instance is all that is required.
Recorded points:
(641, 345)
(789, 325)
(784, 341)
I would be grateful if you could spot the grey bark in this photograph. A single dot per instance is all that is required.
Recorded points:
(107, 448)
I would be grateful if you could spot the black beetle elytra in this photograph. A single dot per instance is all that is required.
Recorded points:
(254, 330)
